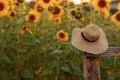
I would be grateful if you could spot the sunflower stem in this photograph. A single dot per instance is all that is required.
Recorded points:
(57, 63)
(57, 69)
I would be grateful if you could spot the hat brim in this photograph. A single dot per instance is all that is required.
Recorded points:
(96, 47)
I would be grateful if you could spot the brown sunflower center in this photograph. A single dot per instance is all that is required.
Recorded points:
(12, 14)
(102, 3)
(1, 6)
(118, 16)
(78, 16)
(16, 4)
(61, 35)
(56, 10)
(57, 20)
(46, 1)
(40, 8)
(32, 17)
(73, 12)
(20, 1)
(24, 28)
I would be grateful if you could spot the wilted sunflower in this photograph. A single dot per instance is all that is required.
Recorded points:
(46, 3)
(39, 8)
(57, 11)
(101, 5)
(3, 7)
(61, 35)
(32, 16)
(25, 28)
(116, 18)
(57, 20)
(11, 14)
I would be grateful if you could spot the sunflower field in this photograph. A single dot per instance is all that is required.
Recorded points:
(35, 38)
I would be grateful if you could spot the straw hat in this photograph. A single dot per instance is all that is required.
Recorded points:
(91, 39)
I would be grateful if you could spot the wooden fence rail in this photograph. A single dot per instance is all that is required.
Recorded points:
(91, 63)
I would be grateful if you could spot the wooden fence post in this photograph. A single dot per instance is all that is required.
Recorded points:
(91, 67)
(91, 63)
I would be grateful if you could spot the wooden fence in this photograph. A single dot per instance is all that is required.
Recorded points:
(92, 65)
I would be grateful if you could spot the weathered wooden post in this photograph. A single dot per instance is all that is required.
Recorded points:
(91, 63)
(91, 67)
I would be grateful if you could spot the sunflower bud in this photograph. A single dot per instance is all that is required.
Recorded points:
(50, 8)
(78, 15)
(73, 12)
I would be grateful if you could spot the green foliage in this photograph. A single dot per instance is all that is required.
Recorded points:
(40, 55)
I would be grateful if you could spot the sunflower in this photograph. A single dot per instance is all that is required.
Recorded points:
(57, 11)
(78, 15)
(101, 5)
(116, 18)
(92, 1)
(32, 16)
(3, 7)
(39, 8)
(57, 20)
(46, 3)
(73, 11)
(11, 14)
(14, 4)
(61, 35)
(25, 28)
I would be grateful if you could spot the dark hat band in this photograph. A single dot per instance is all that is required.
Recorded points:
(87, 39)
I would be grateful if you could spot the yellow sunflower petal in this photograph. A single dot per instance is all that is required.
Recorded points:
(46, 3)
(57, 1)
(118, 6)
(105, 14)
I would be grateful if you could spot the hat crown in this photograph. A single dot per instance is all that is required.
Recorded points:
(91, 32)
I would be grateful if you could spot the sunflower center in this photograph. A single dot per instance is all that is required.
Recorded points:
(57, 20)
(39, 8)
(73, 12)
(50, 8)
(56, 10)
(46, 1)
(1, 6)
(24, 28)
(20, 1)
(102, 3)
(32, 17)
(12, 14)
(16, 4)
(118, 16)
(78, 16)
(61, 35)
